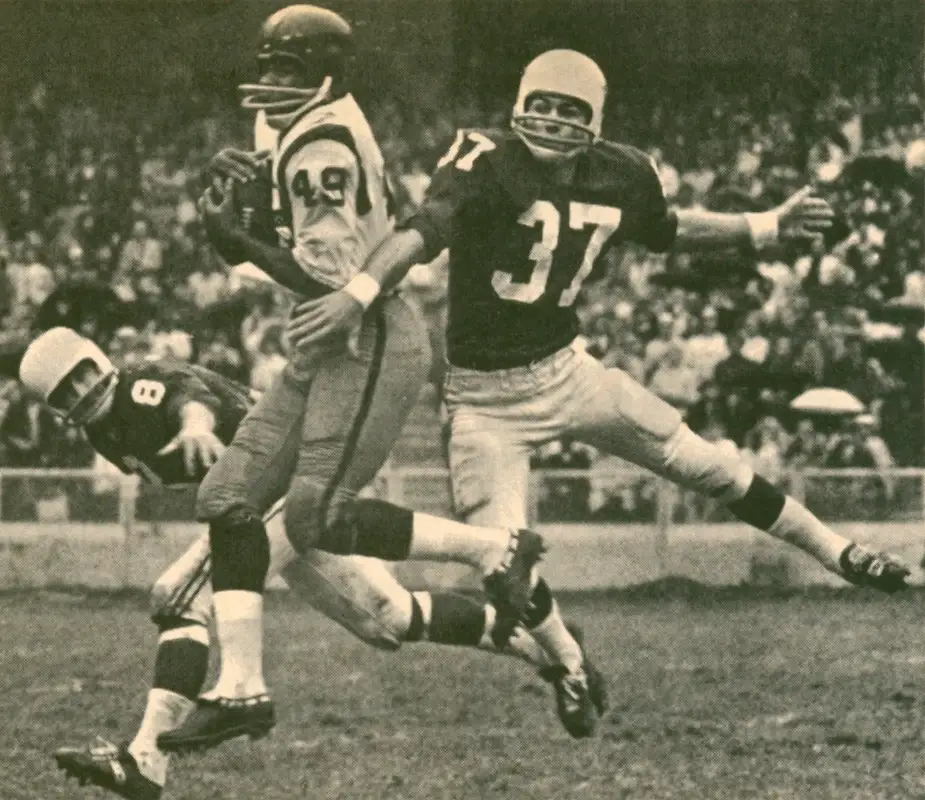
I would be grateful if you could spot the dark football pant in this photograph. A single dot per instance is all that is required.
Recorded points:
(325, 427)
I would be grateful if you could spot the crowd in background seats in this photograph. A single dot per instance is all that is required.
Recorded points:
(91, 192)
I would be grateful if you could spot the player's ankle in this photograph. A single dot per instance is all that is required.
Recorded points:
(152, 763)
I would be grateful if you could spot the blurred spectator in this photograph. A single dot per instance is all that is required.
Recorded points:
(141, 252)
(673, 380)
(208, 283)
(704, 350)
(221, 357)
(808, 446)
(764, 450)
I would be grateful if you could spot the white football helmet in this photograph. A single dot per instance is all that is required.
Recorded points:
(49, 372)
(566, 73)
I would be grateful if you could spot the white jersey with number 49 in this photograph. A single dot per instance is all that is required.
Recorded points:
(331, 197)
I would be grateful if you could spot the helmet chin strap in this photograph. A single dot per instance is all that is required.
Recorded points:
(282, 104)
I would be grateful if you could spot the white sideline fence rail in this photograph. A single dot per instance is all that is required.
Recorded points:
(607, 526)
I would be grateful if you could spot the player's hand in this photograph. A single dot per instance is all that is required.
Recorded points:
(804, 216)
(333, 315)
(233, 163)
(199, 446)
(217, 208)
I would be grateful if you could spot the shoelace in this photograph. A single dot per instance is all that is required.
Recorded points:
(574, 686)
(108, 753)
(103, 750)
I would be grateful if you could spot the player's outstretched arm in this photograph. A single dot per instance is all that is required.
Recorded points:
(196, 439)
(802, 217)
(340, 312)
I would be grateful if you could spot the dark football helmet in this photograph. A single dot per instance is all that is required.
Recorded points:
(303, 54)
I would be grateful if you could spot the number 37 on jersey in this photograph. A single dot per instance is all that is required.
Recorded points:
(551, 223)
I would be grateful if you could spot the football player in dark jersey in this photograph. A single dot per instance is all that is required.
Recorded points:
(168, 421)
(526, 214)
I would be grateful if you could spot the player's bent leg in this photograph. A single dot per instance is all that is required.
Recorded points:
(356, 592)
(255, 717)
(645, 430)
(362, 407)
(489, 471)
(181, 607)
(490, 480)
(363, 596)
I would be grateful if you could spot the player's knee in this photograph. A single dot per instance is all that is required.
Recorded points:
(218, 493)
(476, 458)
(171, 609)
(302, 514)
(707, 467)
(383, 633)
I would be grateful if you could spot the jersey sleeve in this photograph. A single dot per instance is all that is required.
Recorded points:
(445, 194)
(434, 218)
(652, 223)
(322, 182)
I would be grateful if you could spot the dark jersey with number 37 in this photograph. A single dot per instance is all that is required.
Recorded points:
(521, 247)
(146, 416)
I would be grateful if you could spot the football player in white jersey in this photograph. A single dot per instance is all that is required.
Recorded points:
(527, 213)
(324, 428)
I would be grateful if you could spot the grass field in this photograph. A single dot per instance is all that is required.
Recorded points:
(716, 695)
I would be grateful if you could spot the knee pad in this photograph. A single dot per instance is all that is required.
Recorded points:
(706, 467)
(302, 514)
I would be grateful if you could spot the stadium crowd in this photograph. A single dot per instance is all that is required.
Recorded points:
(93, 198)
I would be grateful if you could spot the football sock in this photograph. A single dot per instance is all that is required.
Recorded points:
(165, 711)
(456, 620)
(523, 645)
(544, 622)
(767, 508)
(420, 617)
(453, 619)
(182, 660)
(798, 526)
(437, 539)
(383, 530)
(239, 630)
(240, 551)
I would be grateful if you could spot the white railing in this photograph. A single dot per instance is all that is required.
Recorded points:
(610, 526)
(599, 494)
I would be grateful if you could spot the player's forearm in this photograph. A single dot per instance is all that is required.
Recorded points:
(387, 266)
(393, 258)
(277, 262)
(705, 229)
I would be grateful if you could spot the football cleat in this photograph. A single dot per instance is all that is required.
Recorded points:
(581, 698)
(217, 720)
(109, 767)
(882, 571)
(510, 586)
